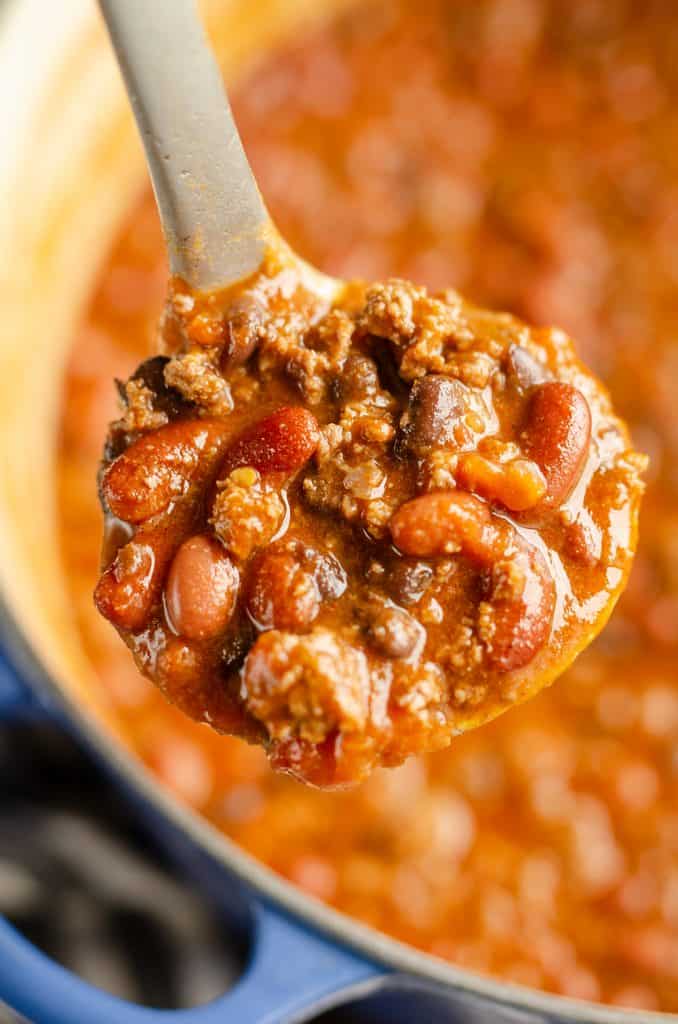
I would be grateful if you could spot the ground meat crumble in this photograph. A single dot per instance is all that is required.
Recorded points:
(363, 521)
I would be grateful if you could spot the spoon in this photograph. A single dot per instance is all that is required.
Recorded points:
(203, 495)
(216, 226)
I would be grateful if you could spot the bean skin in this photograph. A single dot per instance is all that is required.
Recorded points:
(519, 610)
(436, 406)
(201, 589)
(159, 467)
(394, 632)
(132, 584)
(407, 582)
(242, 327)
(524, 369)
(447, 522)
(287, 587)
(282, 442)
(165, 399)
(282, 594)
(557, 437)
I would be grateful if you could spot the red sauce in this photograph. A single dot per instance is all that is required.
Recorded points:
(540, 177)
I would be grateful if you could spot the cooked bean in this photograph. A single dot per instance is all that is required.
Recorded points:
(407, 581)
(281, 442)
(241, 331)
(282, 594)
(394, 633)
(447, 522)
(165, 399)
(359, 377)
(436, 406)
(201, 589)
(524, 369)
(287, 586)
(557, 437)
(159, 467)
(130, 587)
(515, 622)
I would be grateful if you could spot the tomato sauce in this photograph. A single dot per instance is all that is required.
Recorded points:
(525, 151)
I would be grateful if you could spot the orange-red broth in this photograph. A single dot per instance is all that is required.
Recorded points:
(543, 178)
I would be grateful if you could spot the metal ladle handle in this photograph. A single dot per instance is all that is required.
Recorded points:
(213, 217)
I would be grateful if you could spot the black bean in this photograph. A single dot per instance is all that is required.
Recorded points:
(165, 399)
(437, 403)
(408, 581)
(393, 631)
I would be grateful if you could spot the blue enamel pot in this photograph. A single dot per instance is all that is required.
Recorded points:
(70, 164)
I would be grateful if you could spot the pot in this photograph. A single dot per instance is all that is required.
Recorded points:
(70, 165)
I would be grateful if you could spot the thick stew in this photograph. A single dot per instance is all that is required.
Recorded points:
(539, 177)
(351, 527)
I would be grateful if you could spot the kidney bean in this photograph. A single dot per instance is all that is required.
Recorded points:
(515, 622)
(436, 406)
(281, 442)
(282, 594)
(132, 584)
(287, 587)
(201, 589)
(159, 467)
(518, 484)
(447, 522)
(557, 437)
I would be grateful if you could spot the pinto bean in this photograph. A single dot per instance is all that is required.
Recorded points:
(557, 437)
(132, 584)
(515, 622)
(281, 442)
(201, 589)
(159, 467)
(449, 522)
(436, 406)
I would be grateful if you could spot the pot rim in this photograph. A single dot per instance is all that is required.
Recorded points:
(15, 27)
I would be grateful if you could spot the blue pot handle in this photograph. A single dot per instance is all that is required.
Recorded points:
(292, 974)
(16, 699)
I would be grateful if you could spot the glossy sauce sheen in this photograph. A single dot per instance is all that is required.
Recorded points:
(539, 178)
